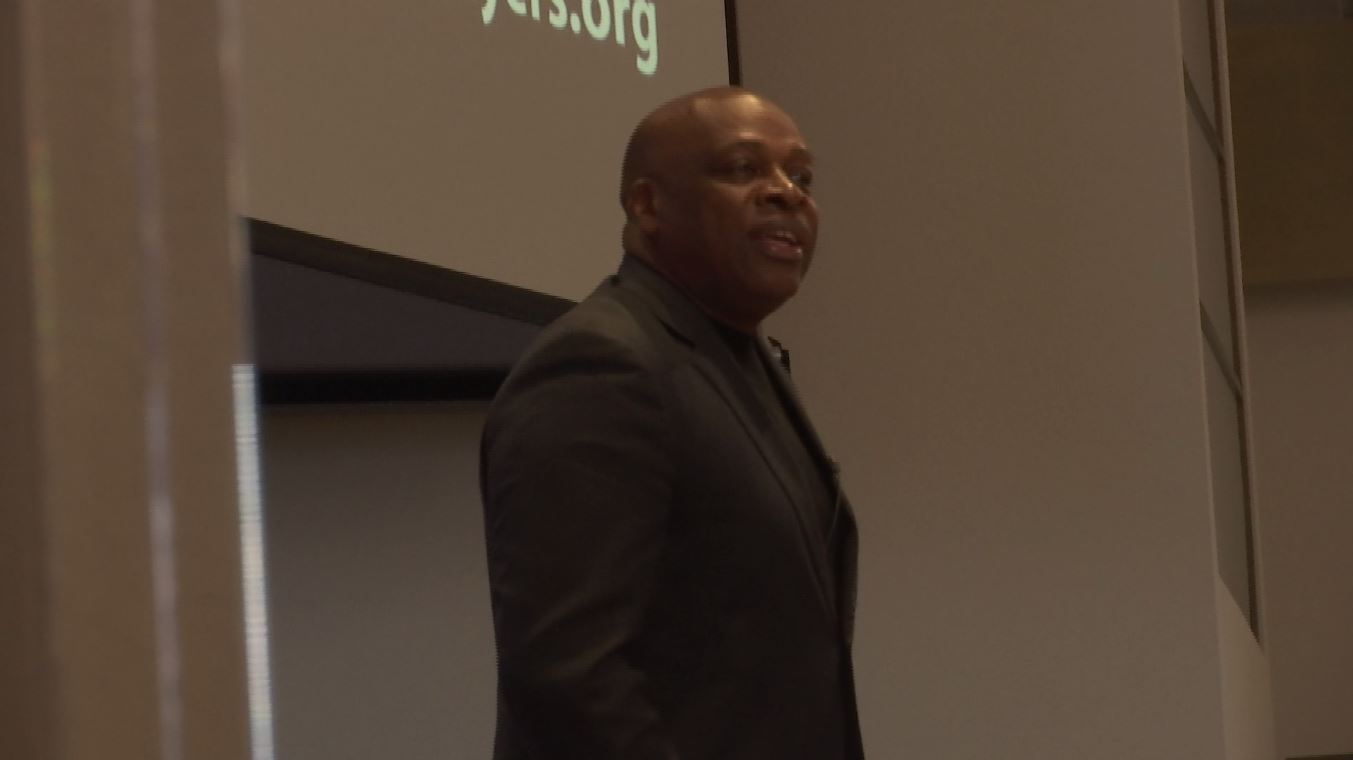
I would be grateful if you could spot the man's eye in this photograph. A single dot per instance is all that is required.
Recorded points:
(802, 177)
(743, 169)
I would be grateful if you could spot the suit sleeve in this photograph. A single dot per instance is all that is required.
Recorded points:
(577, 478)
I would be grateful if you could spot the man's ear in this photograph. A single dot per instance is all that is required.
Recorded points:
(641, 204)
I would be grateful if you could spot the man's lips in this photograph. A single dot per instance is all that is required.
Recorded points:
(780, 249)
(782, 240)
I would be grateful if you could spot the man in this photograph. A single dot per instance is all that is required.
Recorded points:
(671, 562)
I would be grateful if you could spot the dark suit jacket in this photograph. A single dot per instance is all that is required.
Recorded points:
(659, 587)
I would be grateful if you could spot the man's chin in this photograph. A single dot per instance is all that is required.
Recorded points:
(773, 292)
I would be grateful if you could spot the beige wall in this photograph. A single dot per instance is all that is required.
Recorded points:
(1246, 686)
(1000, 341)
(381, 631)
(1302, 369)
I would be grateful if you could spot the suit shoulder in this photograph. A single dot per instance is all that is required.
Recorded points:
(598, 361)
(602, 331)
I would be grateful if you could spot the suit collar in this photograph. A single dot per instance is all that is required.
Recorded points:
(683, 317)
(713, 357)
(670, 304)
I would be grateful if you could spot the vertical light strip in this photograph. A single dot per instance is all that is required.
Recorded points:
(155, 285)
(253, 555)
(253, 565)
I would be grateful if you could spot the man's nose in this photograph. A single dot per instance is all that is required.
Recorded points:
(781, 190)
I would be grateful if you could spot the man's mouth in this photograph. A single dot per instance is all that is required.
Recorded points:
(780, 241)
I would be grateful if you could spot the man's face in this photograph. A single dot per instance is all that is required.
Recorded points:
(734, 221)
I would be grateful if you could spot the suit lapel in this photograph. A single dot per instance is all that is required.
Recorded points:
(738, 397)
(846, 581)
(798, 417)
(713, 359)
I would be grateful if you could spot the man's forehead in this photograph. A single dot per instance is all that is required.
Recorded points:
(740, 108)
(687, 128)
(746, 119)
(791, 145)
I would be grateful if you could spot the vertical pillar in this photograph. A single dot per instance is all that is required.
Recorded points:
(122, 328)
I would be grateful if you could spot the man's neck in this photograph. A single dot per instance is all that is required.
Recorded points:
(746, 325)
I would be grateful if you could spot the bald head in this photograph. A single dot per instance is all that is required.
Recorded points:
(667, 130)
(716, 191)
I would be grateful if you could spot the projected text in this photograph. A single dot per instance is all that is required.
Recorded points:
(603, 19)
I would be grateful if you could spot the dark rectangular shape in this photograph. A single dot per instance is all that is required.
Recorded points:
(412, 386)
(399, 273)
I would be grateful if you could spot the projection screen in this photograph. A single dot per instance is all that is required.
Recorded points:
(482, 136)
